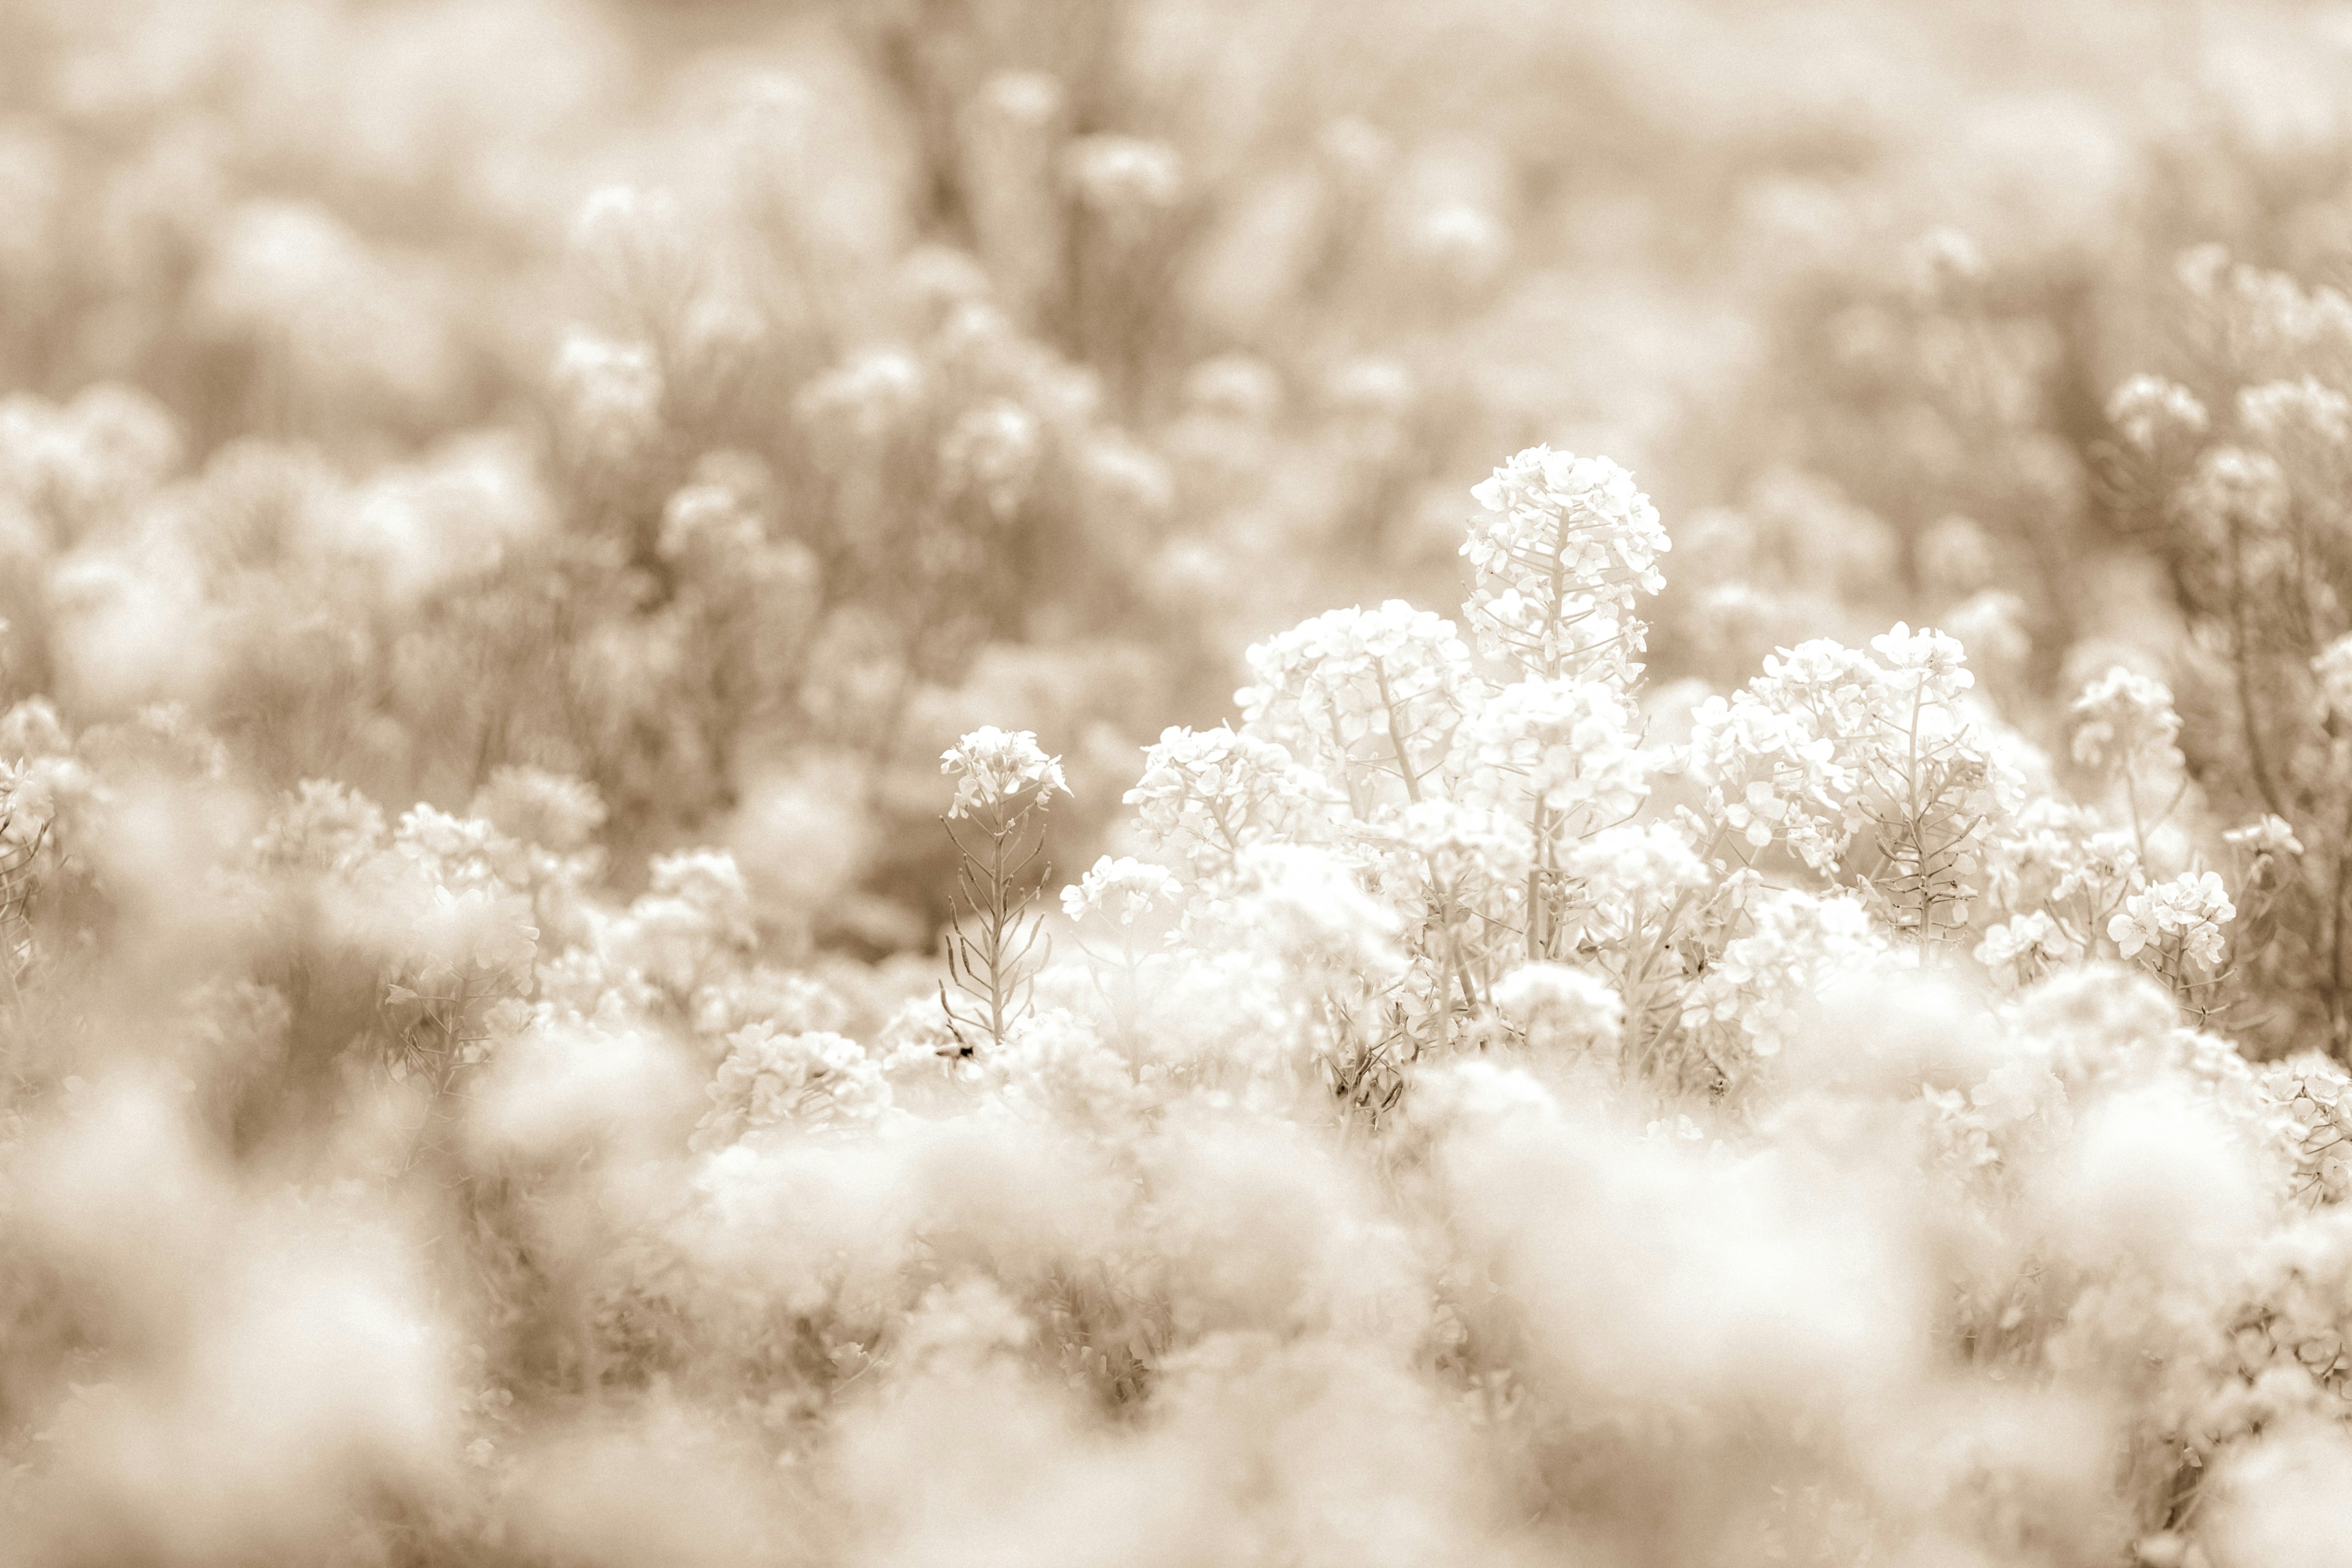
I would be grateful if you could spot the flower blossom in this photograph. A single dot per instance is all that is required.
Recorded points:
(2189, 909)
(2122, 719)
(1569, 746)
(994, 768)
(1560, 1006)
(1378, 689)
(1121, 890)
(2148, 411)
(1563, 549)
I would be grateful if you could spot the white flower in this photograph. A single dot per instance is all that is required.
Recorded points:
(1925, 660)
(1381, 690)
(1570, 745)
(772, 1080)
(993, 768)
(2189, 910)
(2019, 950)
(2268, 835)
(2148, 411)
(1121, 890)
(1213, 792)
(1561, 1006)
(2123, 720)
(1565, 547)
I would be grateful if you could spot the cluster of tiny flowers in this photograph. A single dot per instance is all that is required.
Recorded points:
(2300, 413)
(1561, 1007)
(1121, 891)
(1762, 985)
(2021, 950)
(1568, 746)
(1559, 555)
(2268, 835)
(1624, 877)
(1210, 793)
(1830, 742)
(1360, 689)
(773, 1080)
(1768, 771)
(2314, 1096)
(995, 769)
(1925, 664)
(2125, 721)
(2188, 912)
(2150, 412)
(1459, 844)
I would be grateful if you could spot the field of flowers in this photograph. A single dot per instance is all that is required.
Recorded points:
(923, 783)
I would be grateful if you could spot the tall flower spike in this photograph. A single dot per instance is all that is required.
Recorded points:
(1562, 552)
(1004, 785)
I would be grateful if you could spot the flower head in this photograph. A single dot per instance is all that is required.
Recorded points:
(1563, 549)
(2148, 411)
(994, 769)
(1121, 891)
(2122, 719)
(2189, 910)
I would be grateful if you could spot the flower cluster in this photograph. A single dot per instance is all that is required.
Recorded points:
(1561, 553)
(996, 772)
(1361, 694)
(2186, 914)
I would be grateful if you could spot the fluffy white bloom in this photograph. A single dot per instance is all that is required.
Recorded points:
(1306, 904)
(2150, 411)
(1378, 691)
(2021, 950)
(772, 1081)
(994, 769)
(1620, 864)
(1830, 742)
(2292, 414)
(1561, 553)
(2268, 835)
(1561, 1006)
(1460, 845)
(2189, 910)
(1762, 983)
(2123, 720)
(1925, 662)
(1121, 890)
(1210, 793)
(1570, 746)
